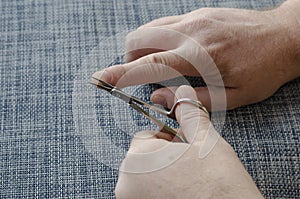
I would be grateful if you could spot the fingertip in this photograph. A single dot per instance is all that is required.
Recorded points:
(164, 96)
(103, 75)
(159, 99)
(185, 92)
(191, 117)
(112, 75)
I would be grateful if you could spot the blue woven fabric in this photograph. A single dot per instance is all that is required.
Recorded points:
(60, 139)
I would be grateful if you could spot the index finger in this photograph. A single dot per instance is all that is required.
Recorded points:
(148, 69)
(148, 40)
(181, 55)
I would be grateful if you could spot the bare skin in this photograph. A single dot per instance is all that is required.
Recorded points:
(256, 52)
(219, 175)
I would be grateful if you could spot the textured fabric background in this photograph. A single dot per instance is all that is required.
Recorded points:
(61, 139)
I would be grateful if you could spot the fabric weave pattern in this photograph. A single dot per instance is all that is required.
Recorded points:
(47, 51)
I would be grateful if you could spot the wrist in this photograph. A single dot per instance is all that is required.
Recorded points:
(289, 17)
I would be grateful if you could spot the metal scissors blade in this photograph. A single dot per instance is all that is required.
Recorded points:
(130, 99)
(119, 93)
(134, 102)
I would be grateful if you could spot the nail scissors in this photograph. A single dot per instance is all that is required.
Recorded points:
(140, 105)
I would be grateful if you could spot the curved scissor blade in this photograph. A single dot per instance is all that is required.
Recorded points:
(102, 84)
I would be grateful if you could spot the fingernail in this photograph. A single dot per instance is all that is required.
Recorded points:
(159, 99)
(103, 75)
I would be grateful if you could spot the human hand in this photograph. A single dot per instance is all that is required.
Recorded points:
(190, 174)
(254, 52)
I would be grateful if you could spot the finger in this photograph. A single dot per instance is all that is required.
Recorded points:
(163, 21)
(169, 137)
(213, 98)
(165, 136)
(151, 154)
(149, 69)
(132, 55)
(164, 96)
(145, 141)
(220, 99)
(145, 41)
(194, 122)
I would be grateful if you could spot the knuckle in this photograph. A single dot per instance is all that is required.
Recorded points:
(193, 23)
(159, 20)
(219, 51)
(131, 40)
(203, 19)
(156, 59)
(215, 52)
(204, 10)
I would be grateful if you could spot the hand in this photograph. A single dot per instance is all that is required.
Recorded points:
(254, 51)
(219, 174)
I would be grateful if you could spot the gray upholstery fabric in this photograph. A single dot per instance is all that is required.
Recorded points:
(59, 138)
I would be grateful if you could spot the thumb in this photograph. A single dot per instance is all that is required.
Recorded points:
(194, 122)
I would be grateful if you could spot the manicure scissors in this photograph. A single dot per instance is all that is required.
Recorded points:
(140, 106)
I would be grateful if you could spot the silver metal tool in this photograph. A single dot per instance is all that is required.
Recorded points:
(139, 105)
